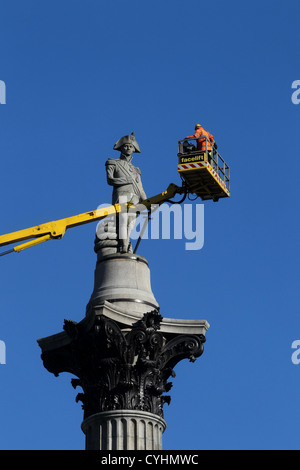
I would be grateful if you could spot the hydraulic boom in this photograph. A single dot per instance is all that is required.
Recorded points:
(57, 228)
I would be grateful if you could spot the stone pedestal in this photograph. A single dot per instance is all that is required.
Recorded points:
(123, 280)
(123, 353)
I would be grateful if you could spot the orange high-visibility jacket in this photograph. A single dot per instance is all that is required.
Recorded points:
(200, 135)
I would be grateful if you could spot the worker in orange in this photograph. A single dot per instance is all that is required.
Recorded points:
(200, 135)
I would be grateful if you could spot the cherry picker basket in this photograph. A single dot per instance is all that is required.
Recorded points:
(205, 172)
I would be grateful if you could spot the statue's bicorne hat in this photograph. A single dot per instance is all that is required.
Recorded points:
(128, 139)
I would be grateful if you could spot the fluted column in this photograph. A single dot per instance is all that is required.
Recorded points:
(123, 430)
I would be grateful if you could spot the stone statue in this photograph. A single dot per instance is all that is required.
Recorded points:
(127, 187)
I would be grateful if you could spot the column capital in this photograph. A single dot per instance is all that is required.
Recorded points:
(119, 366)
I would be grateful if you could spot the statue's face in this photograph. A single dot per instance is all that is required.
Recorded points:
(127, 149)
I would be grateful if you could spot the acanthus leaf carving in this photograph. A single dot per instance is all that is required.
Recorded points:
(123, 369)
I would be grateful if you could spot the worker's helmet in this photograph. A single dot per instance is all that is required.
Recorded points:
(128, 139)
(197, 126)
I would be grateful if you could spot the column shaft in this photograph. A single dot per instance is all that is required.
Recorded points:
(123, 430)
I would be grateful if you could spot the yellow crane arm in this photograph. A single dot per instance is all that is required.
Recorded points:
(57, 228)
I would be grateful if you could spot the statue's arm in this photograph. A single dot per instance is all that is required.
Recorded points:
(140, 185)
(142, 192)
(110, 175)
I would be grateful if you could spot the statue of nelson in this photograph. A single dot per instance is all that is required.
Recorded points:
(127, 186)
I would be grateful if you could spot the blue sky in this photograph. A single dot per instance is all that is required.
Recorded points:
(78, 76)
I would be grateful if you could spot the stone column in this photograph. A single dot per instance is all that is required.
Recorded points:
(122, 354)
(123, 430)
